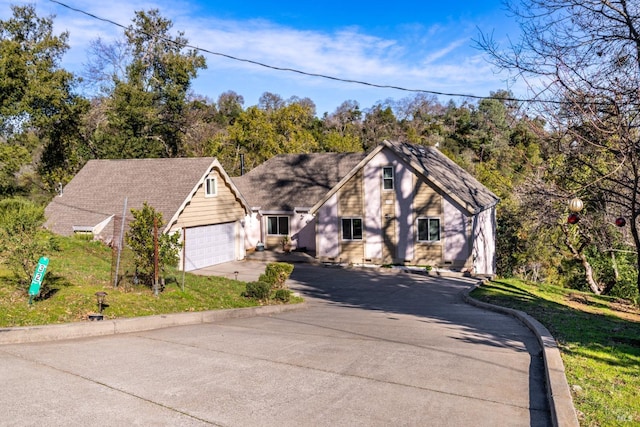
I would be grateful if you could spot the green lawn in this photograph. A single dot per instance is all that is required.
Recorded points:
(599, 338)
(81, 268)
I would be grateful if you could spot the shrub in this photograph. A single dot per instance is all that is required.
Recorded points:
(258, 290)
(22, 239)
(140, 239)
(276, 274)
(283, 295)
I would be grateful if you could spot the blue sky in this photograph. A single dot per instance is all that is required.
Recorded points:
(424, 45)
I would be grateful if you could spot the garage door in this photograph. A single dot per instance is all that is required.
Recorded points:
(209, 245)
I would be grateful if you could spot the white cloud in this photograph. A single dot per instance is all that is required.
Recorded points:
(435, 58)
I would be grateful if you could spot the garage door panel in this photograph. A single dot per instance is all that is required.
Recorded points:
(209, 245)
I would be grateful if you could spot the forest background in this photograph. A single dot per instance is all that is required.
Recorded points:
(579, 141)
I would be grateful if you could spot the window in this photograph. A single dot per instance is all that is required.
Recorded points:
(351, 228)
(210, 187)
(428, 229)
(387, 178)
(278, 225)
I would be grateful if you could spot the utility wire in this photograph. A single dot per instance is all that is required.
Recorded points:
(305, 73)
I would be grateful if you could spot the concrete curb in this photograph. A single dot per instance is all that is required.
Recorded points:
(563, 412)
(31, 334)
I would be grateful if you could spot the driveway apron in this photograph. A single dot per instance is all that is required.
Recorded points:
(372, 349)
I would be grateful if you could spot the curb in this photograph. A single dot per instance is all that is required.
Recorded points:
(32, 334)
(563, 412)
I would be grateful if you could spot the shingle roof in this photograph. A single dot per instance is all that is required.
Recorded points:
(306, 180)
(99, 189)
(295, 180)
(445, 173)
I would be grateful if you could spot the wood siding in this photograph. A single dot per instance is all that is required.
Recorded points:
(351, 251)
(351, 205)
(350, 198)
(428, 254)
(202, 210)
(427, 203)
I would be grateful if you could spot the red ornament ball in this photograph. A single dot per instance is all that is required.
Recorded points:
(573, 218)
(621, 222)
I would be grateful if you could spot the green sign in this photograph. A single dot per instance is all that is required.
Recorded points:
(38, 277)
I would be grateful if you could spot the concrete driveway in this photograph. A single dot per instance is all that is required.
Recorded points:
(371, 349)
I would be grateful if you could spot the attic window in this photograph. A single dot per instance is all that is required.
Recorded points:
(211, 187)
(387, 178)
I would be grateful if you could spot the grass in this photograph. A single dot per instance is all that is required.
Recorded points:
(599, 339)
(81, 268)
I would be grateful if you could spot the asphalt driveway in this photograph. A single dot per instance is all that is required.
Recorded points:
(371, 349)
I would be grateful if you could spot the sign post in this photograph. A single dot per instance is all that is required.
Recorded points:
(38, 277)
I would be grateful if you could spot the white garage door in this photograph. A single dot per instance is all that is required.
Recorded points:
(209, 245)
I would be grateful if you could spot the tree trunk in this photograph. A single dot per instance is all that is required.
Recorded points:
(588, 273)
(636, 240)
(580, 256)
(610, 284)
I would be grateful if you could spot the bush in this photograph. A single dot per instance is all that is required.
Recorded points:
(22, 239)
(258, 290)
(283, 295)
(140, 238)
(276, 274)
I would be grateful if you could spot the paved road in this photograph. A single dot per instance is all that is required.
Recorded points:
(372, 349)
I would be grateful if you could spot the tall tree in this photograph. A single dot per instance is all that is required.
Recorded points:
(146, 113)
(421, 117)
(582, 57)
(39, 114)
(379, 123)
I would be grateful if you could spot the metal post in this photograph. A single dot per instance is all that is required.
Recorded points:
(124, 212)
(155, 255)
(184, 254)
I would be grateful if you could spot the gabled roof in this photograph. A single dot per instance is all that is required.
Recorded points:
(446, 174)
(437, 169)
(290, 181)
(99, 190)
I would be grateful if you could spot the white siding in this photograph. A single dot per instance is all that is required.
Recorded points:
(303, 229)
(328, 230)
(373, 209)
(456, 240)
(484, 237)
(252, 230)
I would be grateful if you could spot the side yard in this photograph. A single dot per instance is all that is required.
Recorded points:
(81, 268)
(599, 339)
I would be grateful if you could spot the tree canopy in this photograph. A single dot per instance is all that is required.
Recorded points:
(582, 58)
(581, 138)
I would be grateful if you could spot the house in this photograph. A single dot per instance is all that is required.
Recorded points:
(282, 190)
(398, 204)
(195, 196)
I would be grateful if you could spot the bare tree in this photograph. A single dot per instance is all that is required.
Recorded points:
(581, 59)
(106, 64)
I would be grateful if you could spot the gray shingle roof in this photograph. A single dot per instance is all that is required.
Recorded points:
(445, 173)
(303, 180)
(295, 180)
(99, 189)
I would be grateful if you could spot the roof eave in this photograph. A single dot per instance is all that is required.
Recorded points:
(215, 164)
(345, 179)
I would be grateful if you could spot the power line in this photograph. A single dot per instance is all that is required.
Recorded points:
(306, 73)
